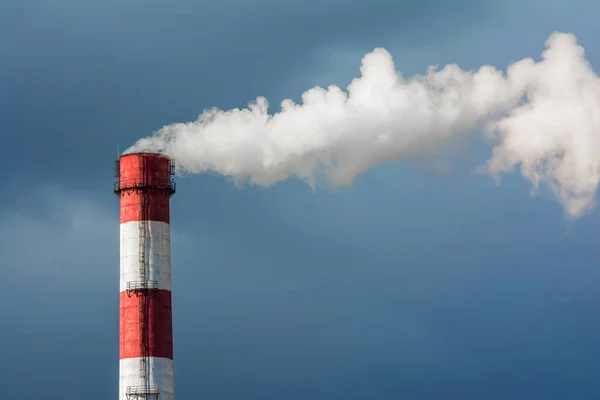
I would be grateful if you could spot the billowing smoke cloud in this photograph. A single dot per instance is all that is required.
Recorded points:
(543, 117)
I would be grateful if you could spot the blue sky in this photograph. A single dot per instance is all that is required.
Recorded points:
(409, 284)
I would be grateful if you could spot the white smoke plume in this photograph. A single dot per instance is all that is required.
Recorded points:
(543, 117)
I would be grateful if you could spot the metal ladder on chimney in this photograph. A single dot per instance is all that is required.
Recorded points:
(142, 289)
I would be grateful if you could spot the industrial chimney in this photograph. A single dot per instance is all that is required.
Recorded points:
(144, 186)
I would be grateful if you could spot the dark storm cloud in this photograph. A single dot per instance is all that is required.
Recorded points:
(80, 78)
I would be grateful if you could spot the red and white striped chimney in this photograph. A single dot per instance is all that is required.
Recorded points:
(145, 186)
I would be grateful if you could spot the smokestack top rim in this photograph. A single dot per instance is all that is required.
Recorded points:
(145, 153)
(142, 182)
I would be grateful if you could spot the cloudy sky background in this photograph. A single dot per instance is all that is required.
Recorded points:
(409, 284)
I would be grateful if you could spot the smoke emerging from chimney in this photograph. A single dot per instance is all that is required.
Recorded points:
(542, 117)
